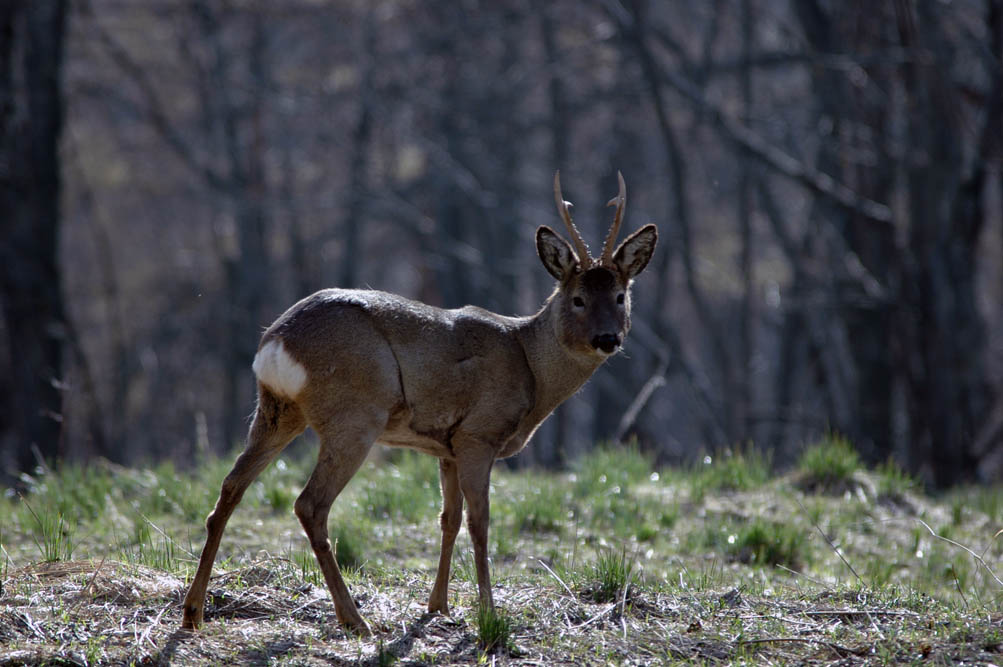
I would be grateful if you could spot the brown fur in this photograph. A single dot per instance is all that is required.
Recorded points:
(467, 386)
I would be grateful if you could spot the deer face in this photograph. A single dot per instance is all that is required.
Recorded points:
(593, 300)
(593, 303)
(596, 310)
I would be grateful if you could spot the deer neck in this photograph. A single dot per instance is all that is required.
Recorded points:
(558, 372)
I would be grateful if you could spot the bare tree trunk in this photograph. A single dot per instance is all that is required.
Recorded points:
(743, 367)
(560, 132)
(867, 324)
(634, 37)
(246, 269)
(31, 122)
(348, 275)
(951, 396)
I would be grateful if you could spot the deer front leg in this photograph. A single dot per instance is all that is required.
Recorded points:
(452, 514)
(474, 472)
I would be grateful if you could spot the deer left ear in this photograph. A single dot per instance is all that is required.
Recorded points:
(555, 253)
(636, 250)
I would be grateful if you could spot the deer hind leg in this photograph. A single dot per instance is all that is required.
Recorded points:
(452, 515)
(343, 447)
(276, 423)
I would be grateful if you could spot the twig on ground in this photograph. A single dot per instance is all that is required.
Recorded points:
(554, 575)
(145, 637)
(802, 574)
(974, 555)
(841, 651)
(828, 541)
(610, 607)
(857, 612)
(90, 584)
(165, 535)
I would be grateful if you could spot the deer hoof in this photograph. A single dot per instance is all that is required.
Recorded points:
(437, 607)
(360, 628)
(191, 619)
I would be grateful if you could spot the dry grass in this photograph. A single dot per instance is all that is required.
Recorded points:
(111, 613)
(881, 575)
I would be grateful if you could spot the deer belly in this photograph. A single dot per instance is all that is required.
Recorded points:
(426, 443)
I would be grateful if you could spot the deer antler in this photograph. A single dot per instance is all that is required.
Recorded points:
(621, 202)
(562, 207)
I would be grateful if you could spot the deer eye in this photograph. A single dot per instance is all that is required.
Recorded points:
(619, 298)
(578, 302)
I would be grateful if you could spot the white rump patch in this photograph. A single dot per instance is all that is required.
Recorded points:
(278, 371)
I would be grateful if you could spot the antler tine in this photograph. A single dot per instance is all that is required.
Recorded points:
(621, 202)
(562, 207)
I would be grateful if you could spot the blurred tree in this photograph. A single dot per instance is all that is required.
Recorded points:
(34, 323)
(825, 178)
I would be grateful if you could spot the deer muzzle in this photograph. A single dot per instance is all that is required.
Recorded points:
(606, 342)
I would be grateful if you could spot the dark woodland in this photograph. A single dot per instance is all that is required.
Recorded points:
(827, 178)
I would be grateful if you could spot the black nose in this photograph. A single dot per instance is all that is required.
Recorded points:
(606, 342)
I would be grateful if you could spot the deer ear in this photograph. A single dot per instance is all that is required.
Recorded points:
(555, 253)
(636, 250)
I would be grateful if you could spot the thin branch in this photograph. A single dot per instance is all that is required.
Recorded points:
(630, 416)
(841, 651)
(656, 343)
(783, 163)
(634, 38)
(974, 555)
(737, 133)
(834, 61)
(828, 541)
(153, 105)
(559, 580)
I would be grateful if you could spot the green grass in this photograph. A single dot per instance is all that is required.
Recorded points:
(494, 628)
(543, 507)
(893, 481)
(769, 543)
(829, 464)
(406, 488)
(609, 577)
(50, 533)
(730, 470)
(609, 469)
(154, 549)
(713, 551)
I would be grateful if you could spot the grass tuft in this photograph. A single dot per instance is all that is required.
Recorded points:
(346, 549)
(829, 465)
(608, 468)
(157, 551)
(731, 470)
(893, 481)
(494, 629)
(768, 543)
(51, 534)
(309, 570)
(609, 577)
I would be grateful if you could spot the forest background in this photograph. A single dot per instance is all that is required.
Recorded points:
(826, 177)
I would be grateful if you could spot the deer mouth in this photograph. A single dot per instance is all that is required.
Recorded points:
(606, 343)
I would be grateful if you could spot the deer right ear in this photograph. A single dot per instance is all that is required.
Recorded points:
(555, 253)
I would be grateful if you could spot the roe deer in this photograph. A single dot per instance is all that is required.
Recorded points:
(466, 385)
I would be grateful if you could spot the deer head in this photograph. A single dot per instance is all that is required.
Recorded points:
(592, 300)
